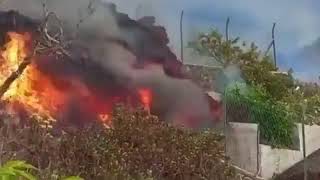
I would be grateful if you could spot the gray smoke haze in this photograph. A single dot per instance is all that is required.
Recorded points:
(70, 12)
(178, 101)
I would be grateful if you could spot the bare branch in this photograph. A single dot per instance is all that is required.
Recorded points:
(44, 8)
(45, 42)
(57, 37)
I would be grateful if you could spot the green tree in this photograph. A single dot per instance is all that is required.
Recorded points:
(268, 89)
(256, 68)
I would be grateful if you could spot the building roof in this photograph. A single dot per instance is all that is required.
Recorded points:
(214, 95)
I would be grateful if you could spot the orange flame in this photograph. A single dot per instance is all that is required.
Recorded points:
(38, 92)
(23, 89)
(146, 98)
(34, 90)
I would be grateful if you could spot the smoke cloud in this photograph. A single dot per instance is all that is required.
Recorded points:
(175, 100)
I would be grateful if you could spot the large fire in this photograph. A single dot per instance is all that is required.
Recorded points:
(37, 92)
(32, 89)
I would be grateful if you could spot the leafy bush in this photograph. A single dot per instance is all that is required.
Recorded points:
(15, 169)
(276, 125)
(138, 146)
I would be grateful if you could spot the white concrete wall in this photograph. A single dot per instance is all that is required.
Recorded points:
(242, 145)
(243, 150)
(312, 138)
(279, 160)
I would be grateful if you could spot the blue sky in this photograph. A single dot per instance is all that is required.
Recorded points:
(297, 21)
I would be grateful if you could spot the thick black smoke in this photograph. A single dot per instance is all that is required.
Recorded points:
(114, 55)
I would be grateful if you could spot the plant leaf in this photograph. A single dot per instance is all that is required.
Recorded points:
(73, 178)
(24, 174)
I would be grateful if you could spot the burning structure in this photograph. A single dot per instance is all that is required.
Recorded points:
(95, 68)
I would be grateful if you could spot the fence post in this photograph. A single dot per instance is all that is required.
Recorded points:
(258, 152)
(274, 45)
(181, 36)
(305, 165)
(225, 123)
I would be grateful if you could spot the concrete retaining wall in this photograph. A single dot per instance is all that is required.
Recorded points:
(245, 151)
(242, 145)
(312, 138)
(279, 160)
(275, 161)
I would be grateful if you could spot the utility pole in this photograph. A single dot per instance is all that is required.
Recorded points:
(181, 36)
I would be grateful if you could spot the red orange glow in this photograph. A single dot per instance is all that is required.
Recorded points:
(146, 97)
(38, 92)
(33, 89)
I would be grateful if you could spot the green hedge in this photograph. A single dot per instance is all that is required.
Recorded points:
(274, 120)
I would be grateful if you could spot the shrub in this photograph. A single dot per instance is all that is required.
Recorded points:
(138, 146)
(275, 123)
(12, 170)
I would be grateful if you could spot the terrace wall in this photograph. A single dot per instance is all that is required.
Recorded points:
(245, 151)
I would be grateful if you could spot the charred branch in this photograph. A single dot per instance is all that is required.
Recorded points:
(15, 75)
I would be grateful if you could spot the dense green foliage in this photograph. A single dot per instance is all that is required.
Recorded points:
(138, 146)
(305, 100)
(13, 170)
(281, 100)
(275, 123)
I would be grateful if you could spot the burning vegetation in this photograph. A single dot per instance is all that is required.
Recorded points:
(36, 92)
(72, 80)
(139, 146)
(71, 83)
